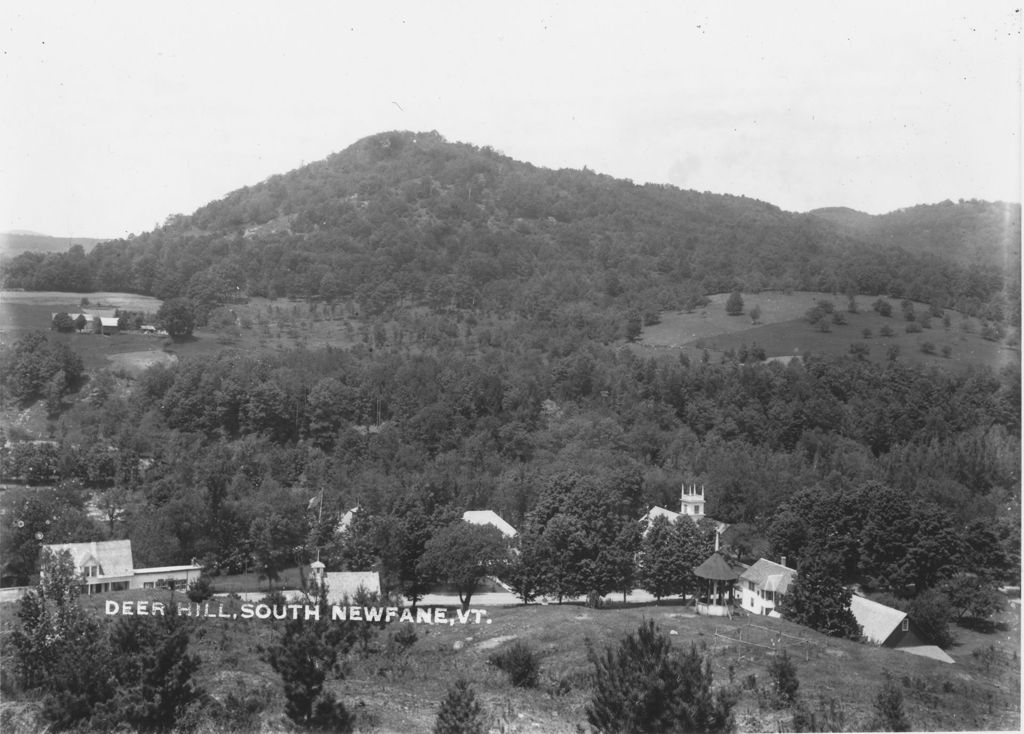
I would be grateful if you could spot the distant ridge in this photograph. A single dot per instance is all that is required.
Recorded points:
(18, 241)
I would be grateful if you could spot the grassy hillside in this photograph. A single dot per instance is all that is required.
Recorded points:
(782, 330)
(399, 691)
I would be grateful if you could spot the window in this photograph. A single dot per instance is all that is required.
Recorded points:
(905, 625)
(147, 584)
(750, 586)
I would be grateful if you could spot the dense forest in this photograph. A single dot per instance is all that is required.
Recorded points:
(408, 218)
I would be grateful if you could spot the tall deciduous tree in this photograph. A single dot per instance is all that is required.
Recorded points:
(818, 599)
(177, 318)
(463, 554)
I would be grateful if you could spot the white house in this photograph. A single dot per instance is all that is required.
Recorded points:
(106, 565)
(488, 517)
(763, 585)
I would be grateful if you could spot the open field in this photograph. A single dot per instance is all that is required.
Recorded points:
(782, 330)
(399, 691)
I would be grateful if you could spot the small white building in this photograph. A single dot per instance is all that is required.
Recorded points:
(342, 586)
(763, 585)
(165, 577)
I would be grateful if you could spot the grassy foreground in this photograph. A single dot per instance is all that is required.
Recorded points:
(391, 689)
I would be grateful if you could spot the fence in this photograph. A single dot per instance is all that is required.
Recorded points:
(754, 641)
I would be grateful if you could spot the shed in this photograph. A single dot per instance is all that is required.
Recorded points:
(882, 625)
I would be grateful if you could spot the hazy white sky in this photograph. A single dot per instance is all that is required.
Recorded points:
(116, 114)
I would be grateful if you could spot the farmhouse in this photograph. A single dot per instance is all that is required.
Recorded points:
(106, 565)
(763, 584)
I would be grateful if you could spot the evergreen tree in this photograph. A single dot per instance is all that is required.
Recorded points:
(460, 712)
(306, 652)
(642, 686)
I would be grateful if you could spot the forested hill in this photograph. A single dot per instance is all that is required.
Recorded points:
(966, 232)
(405, 218)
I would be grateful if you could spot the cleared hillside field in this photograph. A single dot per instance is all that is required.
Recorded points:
(392, 690)
(782, 330)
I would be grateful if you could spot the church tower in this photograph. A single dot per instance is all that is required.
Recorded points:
(692, 500)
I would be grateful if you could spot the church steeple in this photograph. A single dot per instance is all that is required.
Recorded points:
(691, 500)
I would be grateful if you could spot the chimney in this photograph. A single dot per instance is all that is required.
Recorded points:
(783, 561)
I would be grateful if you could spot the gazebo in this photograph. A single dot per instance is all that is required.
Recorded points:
(715, 583)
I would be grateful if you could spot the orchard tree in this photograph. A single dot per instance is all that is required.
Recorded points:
(734, 304)
(63, 322)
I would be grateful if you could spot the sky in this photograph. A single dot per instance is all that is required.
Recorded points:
(115, 115)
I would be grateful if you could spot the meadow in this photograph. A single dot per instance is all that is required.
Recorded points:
(782, 331)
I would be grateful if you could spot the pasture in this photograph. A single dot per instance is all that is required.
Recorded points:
(782, 330)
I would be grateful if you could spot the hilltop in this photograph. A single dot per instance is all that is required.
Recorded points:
(404, 219)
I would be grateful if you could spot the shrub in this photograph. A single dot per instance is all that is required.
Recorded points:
(927, 348)
(784, 681)
(200, 589)
(643, 686)
(889, 714)
(520, 663)
(828, 717)
(460, 712)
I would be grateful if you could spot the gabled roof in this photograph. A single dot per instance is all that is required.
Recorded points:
(661, 512)
(716, 568)
(769, 575)
(113, 556)
(342, 585)
(488, 517)
(108, 321)
(877, 621)
(346, 520)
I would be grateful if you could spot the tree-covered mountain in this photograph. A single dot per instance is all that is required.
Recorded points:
(401, 219)
(965, 232)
